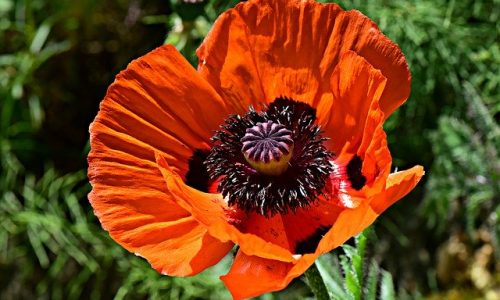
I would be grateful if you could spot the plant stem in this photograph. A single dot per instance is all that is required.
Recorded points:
(316, 283)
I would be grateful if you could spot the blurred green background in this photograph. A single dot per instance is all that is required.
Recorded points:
(58, 57)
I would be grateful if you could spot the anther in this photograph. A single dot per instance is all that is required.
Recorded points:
(268, 147)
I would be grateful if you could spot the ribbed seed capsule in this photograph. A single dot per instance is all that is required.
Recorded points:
(268, 147)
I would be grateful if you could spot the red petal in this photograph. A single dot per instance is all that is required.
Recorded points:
(155, 105)
(355, 124)
(305, 227)
(264, 49)
(251, 276)
(133, 205)
(398, 185)
(357, 87)
(212, 211)
(349, 223)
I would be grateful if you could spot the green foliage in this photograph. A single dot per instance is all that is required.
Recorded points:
(352, 276)
(21, 112)
(464, 182)
(190, 23)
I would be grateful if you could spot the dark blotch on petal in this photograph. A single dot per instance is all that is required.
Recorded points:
(197, 175)
(310, 244)
(354, 173)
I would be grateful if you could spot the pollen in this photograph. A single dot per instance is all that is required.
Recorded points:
(268, 147)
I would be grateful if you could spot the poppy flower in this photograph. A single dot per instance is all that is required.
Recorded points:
(274, 144)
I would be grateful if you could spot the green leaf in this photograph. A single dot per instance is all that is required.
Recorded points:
(387, 287)
(371, 282)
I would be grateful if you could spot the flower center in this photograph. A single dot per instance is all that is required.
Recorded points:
(267, 147)
(272, 161)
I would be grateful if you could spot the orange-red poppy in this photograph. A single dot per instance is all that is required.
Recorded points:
(295, 94)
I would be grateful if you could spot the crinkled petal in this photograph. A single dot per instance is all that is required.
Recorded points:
(264, 49)
(349, 224)
(156, 105)
(357, 88)
(299, 231)
(212, 211)
(355, 125)
(306, 227)
(398, 185)
(251, 276)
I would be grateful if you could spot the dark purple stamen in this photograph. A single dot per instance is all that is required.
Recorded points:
(293, 181)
